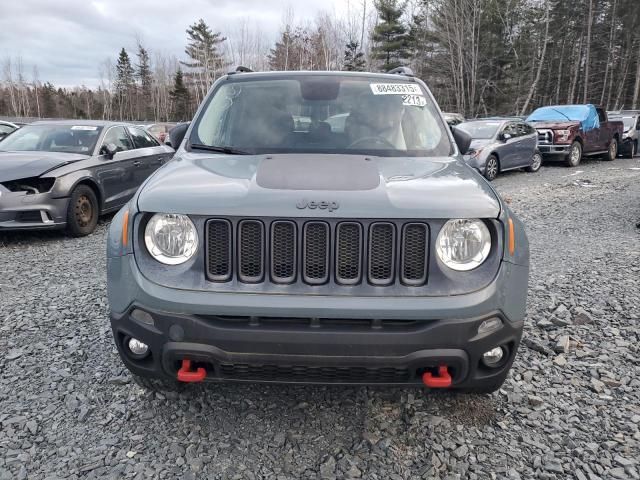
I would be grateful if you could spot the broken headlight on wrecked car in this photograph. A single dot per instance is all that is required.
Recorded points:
(30, 186)
(171, 238)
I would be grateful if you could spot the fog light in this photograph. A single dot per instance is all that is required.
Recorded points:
(493, 356)
(137, 347)
(489, 325)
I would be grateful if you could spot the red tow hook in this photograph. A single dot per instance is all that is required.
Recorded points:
(185, 374)
(443, 380)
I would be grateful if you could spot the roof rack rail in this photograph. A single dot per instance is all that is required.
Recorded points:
(402, 71)
(240, 69)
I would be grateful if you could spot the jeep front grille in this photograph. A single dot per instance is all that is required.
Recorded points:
(342, 253)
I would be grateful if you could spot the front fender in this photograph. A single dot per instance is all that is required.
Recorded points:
(64, 185)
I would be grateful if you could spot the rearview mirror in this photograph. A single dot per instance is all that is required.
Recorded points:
(108, 150)
(462, 138)
(177, 133)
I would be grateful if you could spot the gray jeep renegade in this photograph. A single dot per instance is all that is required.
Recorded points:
(318, 227)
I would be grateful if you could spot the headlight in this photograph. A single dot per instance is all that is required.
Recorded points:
(463, 244)
(171, 239)
(562, 135)
(473, 153)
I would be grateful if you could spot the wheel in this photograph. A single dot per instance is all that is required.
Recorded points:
(633, 150)
(157, 384)
(82, 212)
(612, 151)
(491, 168)
(575, 154)
(536, 163)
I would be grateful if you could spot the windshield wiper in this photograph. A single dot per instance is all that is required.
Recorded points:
(215, 148)
(556, 110)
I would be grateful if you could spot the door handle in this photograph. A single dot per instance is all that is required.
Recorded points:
(136, 163)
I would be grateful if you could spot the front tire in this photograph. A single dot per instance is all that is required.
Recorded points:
(575, 154)
(612, 151)
(536, 163)
(491, 168)
(82, 211)
(633, 149)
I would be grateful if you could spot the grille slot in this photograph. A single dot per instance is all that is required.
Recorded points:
(316, 252)
(283, 251)
(414, 254)
(304, 373)
(382, 247)
(348, 253)
(219, 250)
(250, 251)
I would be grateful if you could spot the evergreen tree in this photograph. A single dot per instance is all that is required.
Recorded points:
(48, 95)
(354, 58)
(205, 58)
(390, 37)
(180, 98)
(124, 84)
(144, 75)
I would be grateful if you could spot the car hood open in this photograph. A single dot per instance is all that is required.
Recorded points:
(17, 165)
(294, 185)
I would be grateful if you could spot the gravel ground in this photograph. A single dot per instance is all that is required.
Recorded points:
(570, 408)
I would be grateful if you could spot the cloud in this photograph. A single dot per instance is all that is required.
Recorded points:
(68, 39)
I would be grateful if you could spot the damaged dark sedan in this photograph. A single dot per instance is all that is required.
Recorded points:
(65, 174)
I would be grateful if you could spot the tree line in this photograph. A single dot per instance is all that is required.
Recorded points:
(479, 57)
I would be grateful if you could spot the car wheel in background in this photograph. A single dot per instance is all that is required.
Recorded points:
(491, 168)
(633, 149)
(536, 163)
(575, 154)
(82, 212)
(612, 151)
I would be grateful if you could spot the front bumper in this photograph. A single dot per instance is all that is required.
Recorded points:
(554, 149)
(307, 339)
(19, 211)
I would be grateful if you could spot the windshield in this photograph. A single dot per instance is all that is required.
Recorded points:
(52, 138)
(564, 113)
(480, 129)
(321, 114)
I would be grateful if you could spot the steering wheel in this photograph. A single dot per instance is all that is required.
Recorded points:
(373, 140)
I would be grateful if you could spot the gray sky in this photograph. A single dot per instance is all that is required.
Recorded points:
(69, 39)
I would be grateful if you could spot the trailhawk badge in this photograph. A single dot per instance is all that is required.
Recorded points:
(322, 205)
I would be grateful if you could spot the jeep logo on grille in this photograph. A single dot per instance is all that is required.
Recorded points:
(321, 205)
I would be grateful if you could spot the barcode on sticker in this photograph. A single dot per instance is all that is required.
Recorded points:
(395, 89)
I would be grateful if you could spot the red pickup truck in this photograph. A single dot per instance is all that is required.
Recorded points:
(569, 132)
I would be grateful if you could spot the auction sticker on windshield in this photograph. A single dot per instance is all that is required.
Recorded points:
(414, 100)
(395, 89)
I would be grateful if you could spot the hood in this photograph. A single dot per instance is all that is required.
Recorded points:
(555, 125)
(342, 186)
(17, 165)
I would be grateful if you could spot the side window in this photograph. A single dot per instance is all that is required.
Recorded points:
(142, 139)
(522, 129)
(118, 136)
(510, 129)
(6, 129)
(601, 115)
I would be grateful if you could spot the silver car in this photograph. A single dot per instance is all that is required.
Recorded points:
(631, 136)
(501, 144)
(64, 174)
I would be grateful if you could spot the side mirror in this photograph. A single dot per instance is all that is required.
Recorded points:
(177, 133)
(505, 136)
(108, 150)
(462, 138)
